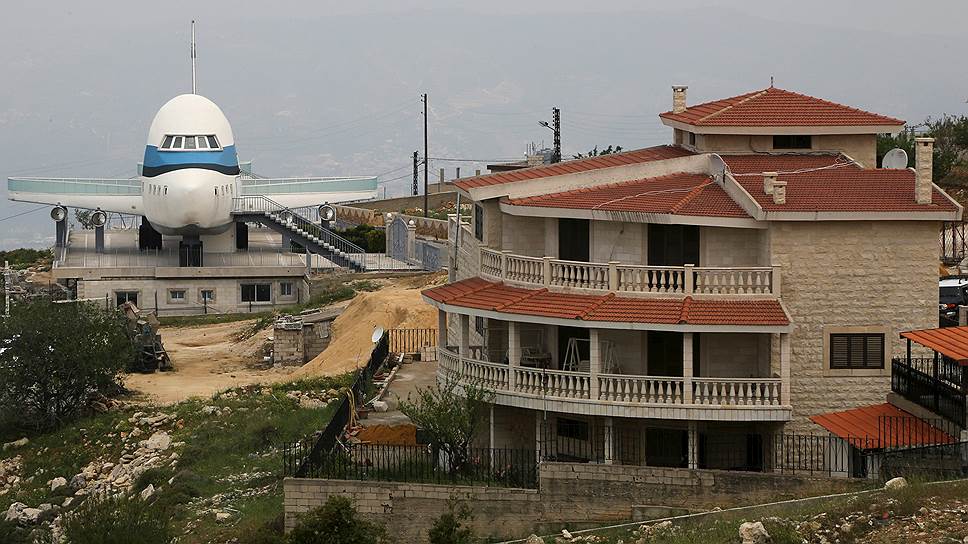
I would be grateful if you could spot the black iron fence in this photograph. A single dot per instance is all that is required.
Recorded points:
(412, 341)
(929, 390)
(426, 464)
(930, 463)
(953, 242)
(299, 455)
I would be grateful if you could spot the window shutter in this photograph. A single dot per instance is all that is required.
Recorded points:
(839, 351)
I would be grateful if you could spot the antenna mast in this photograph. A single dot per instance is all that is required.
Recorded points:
(6, 289)
(193, 56)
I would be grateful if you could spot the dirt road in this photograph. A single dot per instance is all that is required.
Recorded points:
(207, 359)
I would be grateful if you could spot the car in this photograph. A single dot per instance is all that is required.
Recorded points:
(953, 292)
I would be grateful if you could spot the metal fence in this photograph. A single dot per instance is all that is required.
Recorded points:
(952, 242)
(298, 456)
(931, 391)
(426, 464)
(413, 341)
(930, 463)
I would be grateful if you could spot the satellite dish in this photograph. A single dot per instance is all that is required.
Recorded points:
(327, 212)
(99, 218)
(896, 159)
(286, 217)
(58, 213)
(377, 334)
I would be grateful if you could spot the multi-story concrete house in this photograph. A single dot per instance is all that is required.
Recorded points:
(681, 304)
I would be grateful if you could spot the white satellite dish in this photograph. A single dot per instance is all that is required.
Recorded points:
(327, 212)
(99, 218)
(377, 334)
(58, 213)
(896, 159)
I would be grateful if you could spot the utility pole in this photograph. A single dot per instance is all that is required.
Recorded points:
(556, 121)
(415, 190)
(426, 157)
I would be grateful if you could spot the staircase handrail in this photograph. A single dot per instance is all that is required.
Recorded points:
(261, 203)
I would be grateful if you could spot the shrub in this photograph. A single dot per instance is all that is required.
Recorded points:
(55, 357)
(10, 533)
(336, 522)
(272, 532)
(116, 521)
(449, 527)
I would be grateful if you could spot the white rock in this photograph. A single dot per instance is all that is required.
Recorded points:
(753, 533)
(222, 516)
(380, 406)
(896, 483)
(147, 492)
(15, 511)
(78, 481)
(57, 483)
(311, 403)
(67, 502)
(208, 410)
(158, 441)
(16, 444)
(534, 539)
(566, 534)
(30, 515)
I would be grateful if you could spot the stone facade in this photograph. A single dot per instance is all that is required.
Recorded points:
(567, 493)
(860, 147)
(877, 275)
(297, 346)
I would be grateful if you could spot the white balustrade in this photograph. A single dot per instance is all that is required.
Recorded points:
(737, 391)
(491, 262)
(651, 279)
(734, 281)
(525, 269)
(552, 383)
(640, 389)
(579, 274)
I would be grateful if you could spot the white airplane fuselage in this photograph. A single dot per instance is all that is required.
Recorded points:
(190, 171)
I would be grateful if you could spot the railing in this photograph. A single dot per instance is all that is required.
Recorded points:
(299, 224)
(411, 341)
(932, 393)
(624, 278)
(609, 388)
(640, 389)
(495, 467)
(926, 463)
(736, 391)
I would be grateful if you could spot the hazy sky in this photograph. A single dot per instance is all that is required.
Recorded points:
(331, 88)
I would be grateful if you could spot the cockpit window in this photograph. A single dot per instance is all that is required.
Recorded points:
(206, 142)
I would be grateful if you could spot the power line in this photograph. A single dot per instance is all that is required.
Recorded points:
(23, 213)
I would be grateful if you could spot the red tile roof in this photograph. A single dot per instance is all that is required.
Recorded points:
(678, 194)
(879, 426)
(949, 341)
(831, 183)
(648, 154)
(773, 107)
(481, 294)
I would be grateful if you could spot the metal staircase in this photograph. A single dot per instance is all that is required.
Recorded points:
(312, 236)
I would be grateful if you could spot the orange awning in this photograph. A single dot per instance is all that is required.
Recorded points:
(952, 342)
(881, 426)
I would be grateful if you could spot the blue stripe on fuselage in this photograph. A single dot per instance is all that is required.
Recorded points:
(155, 159)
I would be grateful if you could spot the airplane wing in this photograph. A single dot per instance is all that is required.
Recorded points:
(110, 195)
(300, 192)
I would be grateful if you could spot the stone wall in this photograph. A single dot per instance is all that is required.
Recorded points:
(878, 276)
(569, 493)
(723, 246)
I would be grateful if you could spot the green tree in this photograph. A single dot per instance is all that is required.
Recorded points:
(55, 357)
(335, 522)
(594, 152)
(451, 418)
(84, 218)
(450, 527)
(950, 133)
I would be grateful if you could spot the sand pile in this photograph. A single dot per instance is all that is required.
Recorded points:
(396, 435)
(390, 307)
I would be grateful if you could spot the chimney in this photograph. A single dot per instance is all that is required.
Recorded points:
(769, 180)
(923, 152)
(679, 98)
(779, 192)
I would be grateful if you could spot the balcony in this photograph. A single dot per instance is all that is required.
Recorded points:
(626, 279)
(620, 395)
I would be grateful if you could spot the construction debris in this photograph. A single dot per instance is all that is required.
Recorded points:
(150, 354)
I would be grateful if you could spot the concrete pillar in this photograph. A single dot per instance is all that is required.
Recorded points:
(594, 362)
(693, 445)
(679, 98)
(924, 169)
(687, 397)
(441, 328)
(99, 239)
(537, 435)
(464, 336)
(514, 353)
(609, 440)
(491, 430)
(60, 233)
(785, 369)
(286, 243)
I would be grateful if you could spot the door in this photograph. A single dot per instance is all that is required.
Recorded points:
(573, 239)
(665, 353)
(673, 245)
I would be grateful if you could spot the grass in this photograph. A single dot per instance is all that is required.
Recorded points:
(231, 462)
(780, 522)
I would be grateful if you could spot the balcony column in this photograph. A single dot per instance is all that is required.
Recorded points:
(688, 280)
(785, 369)
(594, 363)
(775, 283)
(687, 396)
(613, 275)
(464, 335)
(441, 329)
(504, 264)
(514, 353)
(693, 444)
(546, 270)
(609, 427)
